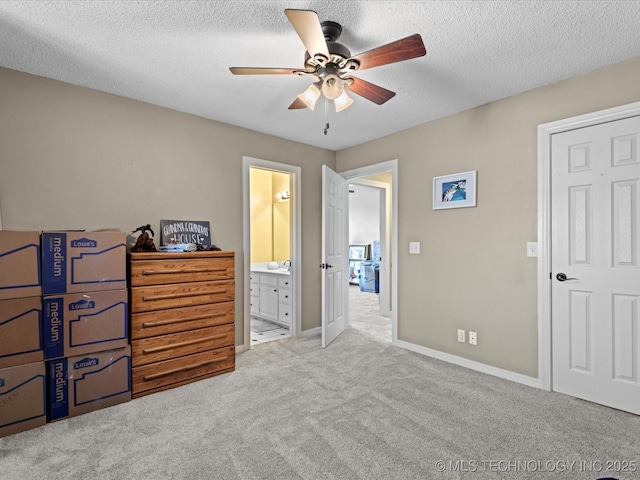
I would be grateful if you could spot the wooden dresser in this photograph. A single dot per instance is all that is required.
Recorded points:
(182, 318)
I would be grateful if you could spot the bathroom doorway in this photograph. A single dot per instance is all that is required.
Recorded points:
(271, 243)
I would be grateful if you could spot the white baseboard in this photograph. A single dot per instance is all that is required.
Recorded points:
(473, 365)
(240, 348)
(310, 333)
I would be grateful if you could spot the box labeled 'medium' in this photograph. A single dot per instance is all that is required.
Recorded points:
(20, 331)
(74, 262)
(85, 383)
(20, 264)
(23, 403)
(79, 323)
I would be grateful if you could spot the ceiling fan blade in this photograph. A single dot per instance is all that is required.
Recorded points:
(263, 71)
(307, 25)
(297, 103)
(370, 91)
(403, 49)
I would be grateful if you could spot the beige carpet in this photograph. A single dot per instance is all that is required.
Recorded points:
(359, 409)
(364, 315)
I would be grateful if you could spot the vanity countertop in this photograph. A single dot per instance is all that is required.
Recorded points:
(262, 268)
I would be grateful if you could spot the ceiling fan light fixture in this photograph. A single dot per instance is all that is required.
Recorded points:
(343, 101)
(332, 86)
(310, 96)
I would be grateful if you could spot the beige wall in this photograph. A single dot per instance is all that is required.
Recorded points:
(74, 158)
(473, 272)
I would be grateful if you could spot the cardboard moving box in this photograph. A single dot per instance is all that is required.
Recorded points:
(86, 383)
(80, 323)
(20, 331)
(22, 398)
(19, 264)
(75, 262)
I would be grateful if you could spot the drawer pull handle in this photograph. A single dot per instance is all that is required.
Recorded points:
(171, 321)
(153, 376)
(169, 296)
(186, 343)
(185, 270)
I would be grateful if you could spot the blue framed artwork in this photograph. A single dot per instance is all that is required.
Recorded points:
(454, 191)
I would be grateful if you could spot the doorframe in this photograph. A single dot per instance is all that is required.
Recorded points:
(545, 131)
(296, 240)
(383, 167)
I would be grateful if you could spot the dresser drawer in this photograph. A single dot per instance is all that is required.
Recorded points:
(159, 297)
(165, 347)
(174, 320)
(162, 271)
(178, 371)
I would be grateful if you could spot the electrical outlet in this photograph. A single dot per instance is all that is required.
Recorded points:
(473, 338)
(461, 336)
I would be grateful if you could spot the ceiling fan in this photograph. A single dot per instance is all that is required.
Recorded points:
(331, 63)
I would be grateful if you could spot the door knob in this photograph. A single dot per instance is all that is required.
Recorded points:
(562, 277)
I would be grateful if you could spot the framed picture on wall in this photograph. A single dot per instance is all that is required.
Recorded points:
(457, 190)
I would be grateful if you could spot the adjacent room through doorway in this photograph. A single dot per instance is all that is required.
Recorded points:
(367, 219)
(272, 245)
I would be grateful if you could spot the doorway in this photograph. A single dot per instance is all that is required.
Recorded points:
(369, 309)
(272, 250)
(383, 178)
(589, 270)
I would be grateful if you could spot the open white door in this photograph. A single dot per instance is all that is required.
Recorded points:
(334, 265)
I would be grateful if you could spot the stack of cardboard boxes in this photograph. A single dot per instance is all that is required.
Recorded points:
(79, 326)
(22, 369)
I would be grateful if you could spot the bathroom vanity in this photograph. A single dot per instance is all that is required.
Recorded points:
(271, 294)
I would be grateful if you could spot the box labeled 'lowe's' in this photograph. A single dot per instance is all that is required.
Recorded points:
(75, 262)
(19, 264)
(23, 404)
(79, 323)
(85, 383)
(20, 331)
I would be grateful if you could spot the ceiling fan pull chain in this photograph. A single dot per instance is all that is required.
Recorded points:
(326, 115)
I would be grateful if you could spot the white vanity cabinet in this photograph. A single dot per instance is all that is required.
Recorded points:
(284, 301)
(268, 296)
(271, 297)
(255, 293)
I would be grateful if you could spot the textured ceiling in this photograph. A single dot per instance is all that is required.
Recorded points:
(177, 54)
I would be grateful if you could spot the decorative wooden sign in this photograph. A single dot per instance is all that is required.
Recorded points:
(185, 231)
